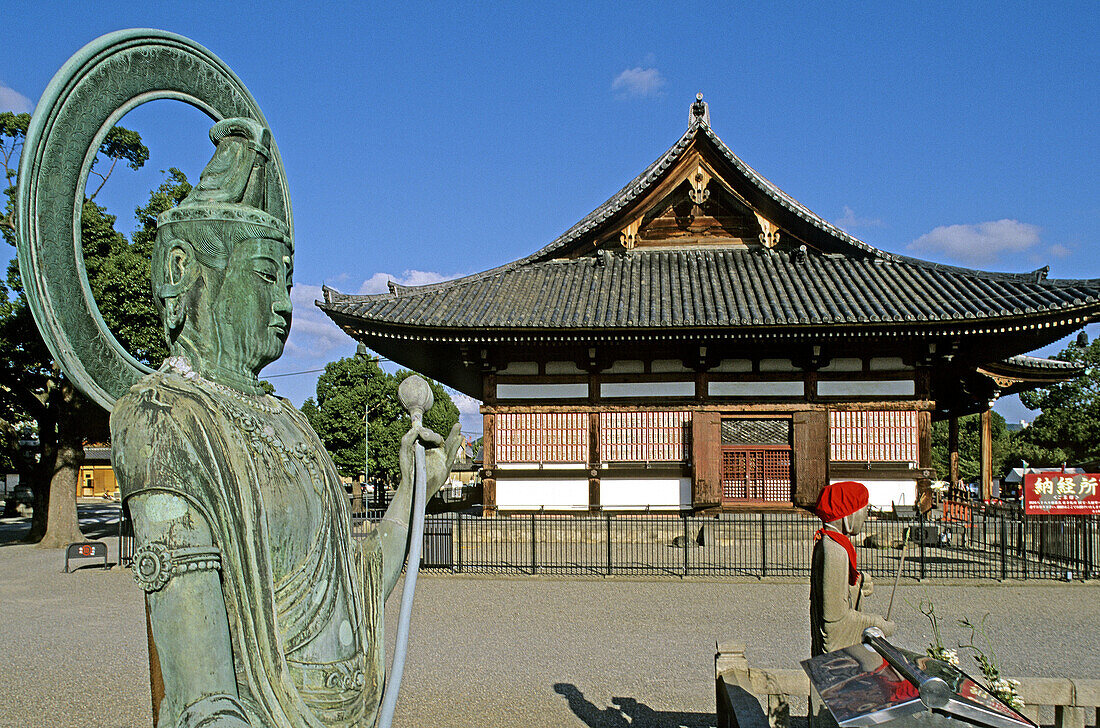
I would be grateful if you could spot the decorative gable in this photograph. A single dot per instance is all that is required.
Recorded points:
(693, 206)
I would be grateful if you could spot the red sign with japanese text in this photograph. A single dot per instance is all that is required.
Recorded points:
(1061, 494)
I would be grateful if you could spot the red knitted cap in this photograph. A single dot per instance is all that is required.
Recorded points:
(841, 499)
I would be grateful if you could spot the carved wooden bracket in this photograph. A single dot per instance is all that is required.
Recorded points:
(699, 180)
(1002, 381)
(769, 237)
(629, 236)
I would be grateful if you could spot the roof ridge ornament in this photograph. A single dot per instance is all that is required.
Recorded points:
(699, 113)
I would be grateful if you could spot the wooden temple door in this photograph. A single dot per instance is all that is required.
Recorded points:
(756, 460)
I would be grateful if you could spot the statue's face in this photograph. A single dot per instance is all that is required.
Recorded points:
(252, 310)
(856, 521)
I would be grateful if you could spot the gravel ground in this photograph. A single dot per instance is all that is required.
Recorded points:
(497, 651)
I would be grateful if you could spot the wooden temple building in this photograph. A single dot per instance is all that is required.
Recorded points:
(702, 341)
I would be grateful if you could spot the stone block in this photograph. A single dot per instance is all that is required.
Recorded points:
(1086, 692)
(1046, 690)
(1066, 716)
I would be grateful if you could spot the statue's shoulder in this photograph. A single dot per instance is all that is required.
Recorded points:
(156, 430)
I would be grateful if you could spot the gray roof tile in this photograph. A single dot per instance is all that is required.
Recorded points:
(714, 288)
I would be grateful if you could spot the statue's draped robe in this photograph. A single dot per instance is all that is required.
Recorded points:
(305, 619)
(835, 621)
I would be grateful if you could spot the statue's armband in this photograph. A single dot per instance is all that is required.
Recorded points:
(155, 564)
(173, 539)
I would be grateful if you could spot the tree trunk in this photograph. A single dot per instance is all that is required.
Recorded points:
(62, 526)
(41, 474)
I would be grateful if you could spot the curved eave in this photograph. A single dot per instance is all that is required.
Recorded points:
(565, 335)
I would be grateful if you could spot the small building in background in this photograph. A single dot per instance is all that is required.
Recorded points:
(96, 477)
(702, 341)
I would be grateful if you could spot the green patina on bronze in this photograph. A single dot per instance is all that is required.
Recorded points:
(264, 610)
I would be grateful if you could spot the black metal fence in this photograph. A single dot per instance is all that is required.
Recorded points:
(987, 545)
(978, 543)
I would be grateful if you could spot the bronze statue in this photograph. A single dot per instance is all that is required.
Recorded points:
(837, 587)
(263, 609)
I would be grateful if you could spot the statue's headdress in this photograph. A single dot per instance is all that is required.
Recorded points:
(234, 199)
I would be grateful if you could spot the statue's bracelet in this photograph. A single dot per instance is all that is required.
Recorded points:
(155, 564)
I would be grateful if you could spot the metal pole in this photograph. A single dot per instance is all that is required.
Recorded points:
(897, 577)
(416, 543)
(687, 546)
(533, 566)
(609, 544)
(458, 545)
(1004, 537)
(763, 546)
(920, 540)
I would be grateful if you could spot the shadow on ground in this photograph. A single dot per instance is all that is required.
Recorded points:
(98, 522)
(629, 713)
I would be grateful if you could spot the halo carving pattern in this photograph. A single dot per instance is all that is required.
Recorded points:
(91, 92)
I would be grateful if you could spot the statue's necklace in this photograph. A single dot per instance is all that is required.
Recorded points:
(257, 402)
(256, 432)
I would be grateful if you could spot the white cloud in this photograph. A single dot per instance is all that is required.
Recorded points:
(638, 82)
(312, 333)
(1060, 251)
(469, 413)
(378, 283)
(850, 221)
(984, 243)
(12, 100)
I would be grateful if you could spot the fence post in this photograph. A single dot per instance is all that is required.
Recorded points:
(533, 565)
(608, 544)
(458, 543)
(687, 545)
(920, 540)
(763, 546)
(1004, 538)
(1021, 540)
(1088, 547)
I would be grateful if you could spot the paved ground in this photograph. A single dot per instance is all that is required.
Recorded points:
(603, 653)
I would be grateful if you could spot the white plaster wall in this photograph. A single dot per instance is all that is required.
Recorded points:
(756, 389)
(556, 493)
(886, 387)
(647, 389)
(639, 492)
(884, 493)
(563, 367)
(541, 391)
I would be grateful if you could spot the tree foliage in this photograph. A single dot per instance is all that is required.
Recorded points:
(34, 394)
(970, 438)
(337, 413)
(1068, 429)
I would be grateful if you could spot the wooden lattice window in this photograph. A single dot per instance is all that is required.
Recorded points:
(877, 436)
(542, 437)
(644, 436)
(756, 459)
(756, 474)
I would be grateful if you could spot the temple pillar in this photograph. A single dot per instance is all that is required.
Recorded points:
(488, 467)
(594, 462)
(953, 450)
(987, 454)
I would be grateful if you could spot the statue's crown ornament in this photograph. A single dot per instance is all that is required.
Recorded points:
(233, 187)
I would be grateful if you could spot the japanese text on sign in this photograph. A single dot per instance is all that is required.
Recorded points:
(1061, 494)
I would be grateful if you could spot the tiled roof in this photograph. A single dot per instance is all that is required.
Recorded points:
(716, 287)
(1035, 362)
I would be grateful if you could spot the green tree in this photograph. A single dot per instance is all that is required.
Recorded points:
(970, 434)
(32, 387)
(337, 414)
(1068, 429)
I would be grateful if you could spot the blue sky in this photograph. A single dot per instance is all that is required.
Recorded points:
(431, 140)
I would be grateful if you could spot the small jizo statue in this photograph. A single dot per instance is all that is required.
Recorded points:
(264, 610)
(836, 585)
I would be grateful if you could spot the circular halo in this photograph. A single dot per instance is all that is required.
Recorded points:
(96, 87)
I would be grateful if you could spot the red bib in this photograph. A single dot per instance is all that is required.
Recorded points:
(840, 538)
